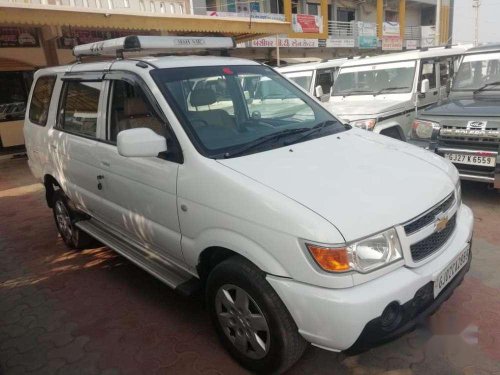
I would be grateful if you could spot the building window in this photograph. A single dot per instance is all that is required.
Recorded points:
(313, 9)
(13, 100)
(346, 14)
(40, 100)
(391, 16)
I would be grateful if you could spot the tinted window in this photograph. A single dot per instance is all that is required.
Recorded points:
(130, 109)
(79, 110)
(40, 101)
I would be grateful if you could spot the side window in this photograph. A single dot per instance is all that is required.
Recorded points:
(428, 71)
(445, 71)
(79, 108)
(324, 78)
(40, 101)
(130, 109)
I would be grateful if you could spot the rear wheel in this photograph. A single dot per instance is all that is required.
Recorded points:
(251, 320)
(64, 217)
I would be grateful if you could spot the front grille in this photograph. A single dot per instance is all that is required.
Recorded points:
(429, 217)
(455, 136)
(429, 245)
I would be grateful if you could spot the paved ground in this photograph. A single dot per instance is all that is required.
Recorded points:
(93, 312)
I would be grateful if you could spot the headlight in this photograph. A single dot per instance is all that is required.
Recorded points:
(423, 129)
(366, 124)
(363, 256)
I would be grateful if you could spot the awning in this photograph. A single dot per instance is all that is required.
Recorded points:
(242, 29)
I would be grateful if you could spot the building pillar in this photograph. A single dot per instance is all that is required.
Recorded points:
(49, 35)
(380, 17)
(402, 18)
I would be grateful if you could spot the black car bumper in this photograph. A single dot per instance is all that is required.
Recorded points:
(412, 313)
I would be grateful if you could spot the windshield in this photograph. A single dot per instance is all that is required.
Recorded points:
(390, 78)
(303, 79)
(478, 70)
(226, 109)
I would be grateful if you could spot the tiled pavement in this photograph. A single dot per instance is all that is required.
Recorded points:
(93, 312)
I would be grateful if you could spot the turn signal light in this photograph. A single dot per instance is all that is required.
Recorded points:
(329, 258)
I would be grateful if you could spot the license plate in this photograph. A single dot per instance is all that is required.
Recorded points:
(450, 271)
(488, 161)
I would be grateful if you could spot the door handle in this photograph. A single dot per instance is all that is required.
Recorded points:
(435, 93)
(105, 163)
(100, 177)
(53, 146)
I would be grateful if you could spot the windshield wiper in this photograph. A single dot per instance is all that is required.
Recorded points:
(264, 139)
(485, 86)
(315, 129)
(390, 89)
(352, 92)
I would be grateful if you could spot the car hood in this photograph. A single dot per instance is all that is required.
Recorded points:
(362, 106)
(466, 107)
(360, 182)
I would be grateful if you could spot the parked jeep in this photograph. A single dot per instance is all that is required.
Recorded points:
(383, 93)
(465, 129)
(297, 228)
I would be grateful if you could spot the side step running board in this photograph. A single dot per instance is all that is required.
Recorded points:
(169, 273)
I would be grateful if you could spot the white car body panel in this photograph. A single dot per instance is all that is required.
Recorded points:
(264, 206)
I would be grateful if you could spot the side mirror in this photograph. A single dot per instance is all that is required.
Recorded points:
(425, 86)
(140, 142)
(318, 91)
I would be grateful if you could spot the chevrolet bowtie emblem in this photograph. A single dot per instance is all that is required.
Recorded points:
(441, 223)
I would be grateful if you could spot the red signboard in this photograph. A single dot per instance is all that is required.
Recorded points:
(307, 23)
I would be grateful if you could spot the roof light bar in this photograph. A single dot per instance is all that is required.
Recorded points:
(151, 44)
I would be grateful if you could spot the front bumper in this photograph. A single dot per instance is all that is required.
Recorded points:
(489, 175)
(341, 319)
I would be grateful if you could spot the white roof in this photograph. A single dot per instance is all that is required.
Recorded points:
(312, 66)
(159, 62)
(409, 55)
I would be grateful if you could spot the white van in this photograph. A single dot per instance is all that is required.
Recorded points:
(316, 78)
(298, 228)
(383, 93)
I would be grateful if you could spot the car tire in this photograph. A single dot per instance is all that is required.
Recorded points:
(250, 319)
(64, 216)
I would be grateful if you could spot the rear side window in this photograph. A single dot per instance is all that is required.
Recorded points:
(79, 108)
(40, 101)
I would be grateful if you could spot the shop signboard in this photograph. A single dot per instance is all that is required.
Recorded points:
(392, 43)
(390, 28)
(270, 42)
(72, 36)
(15, 37)
(340, 43)
(411, 44)
(253, 14)
(367, 42)
(367, 28)
(428, 34)
(307, 23)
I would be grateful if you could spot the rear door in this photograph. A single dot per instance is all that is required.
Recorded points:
(35, 125)
(140, 193)
(73, 142)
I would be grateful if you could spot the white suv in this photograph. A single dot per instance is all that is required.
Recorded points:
(299, 229)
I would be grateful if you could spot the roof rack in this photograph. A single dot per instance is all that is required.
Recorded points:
(151, 45)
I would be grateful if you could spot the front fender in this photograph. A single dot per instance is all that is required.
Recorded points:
(240, 244)
(381, 127)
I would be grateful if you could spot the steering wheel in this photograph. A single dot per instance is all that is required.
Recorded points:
(203, 122)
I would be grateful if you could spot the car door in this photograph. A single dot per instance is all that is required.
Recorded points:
(140, 200)
(35, 125)
(428, 70)
(72, 142)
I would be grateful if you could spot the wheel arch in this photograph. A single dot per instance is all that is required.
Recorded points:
(226, 244)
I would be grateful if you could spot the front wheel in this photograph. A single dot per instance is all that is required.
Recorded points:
(251, 320)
